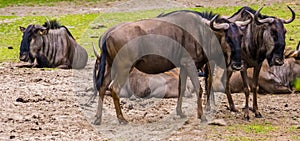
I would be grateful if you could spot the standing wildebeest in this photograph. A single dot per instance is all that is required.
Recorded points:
(183, 27)
(275, 79)
(52, 45)
(263, 39)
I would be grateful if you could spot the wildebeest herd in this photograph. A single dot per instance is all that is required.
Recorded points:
(176, 45)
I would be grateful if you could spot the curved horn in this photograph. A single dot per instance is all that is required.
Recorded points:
(244, 23)
(218, 26)
(261, 21)
(95, 52)
(292, 18)
(48, 22)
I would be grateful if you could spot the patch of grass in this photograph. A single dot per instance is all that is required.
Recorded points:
(239, 138)
(258, 128)
(80, 25)
(6, 3)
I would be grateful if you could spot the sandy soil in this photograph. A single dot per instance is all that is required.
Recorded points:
(49, 104)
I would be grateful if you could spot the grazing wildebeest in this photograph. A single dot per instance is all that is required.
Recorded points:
(183, 27)
(274, 80)
(52, 45)
(263, 39)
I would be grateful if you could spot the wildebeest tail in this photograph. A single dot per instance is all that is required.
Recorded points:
(101, 68)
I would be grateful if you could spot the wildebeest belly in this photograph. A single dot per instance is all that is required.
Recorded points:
(148, 62)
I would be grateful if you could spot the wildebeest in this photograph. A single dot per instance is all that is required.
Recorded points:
(52, 45)
(263, 39)
(275, 79)
(183, 27)
(143, 85)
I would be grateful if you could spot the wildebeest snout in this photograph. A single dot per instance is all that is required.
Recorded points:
(278, 61)
(24, 57)
(237, 66)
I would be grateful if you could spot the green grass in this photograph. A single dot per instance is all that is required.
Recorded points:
(6, 3)
(258, 128)
(80, 25)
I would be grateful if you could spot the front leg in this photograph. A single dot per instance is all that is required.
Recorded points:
(247, 93)
(228, 92)
(255, 81)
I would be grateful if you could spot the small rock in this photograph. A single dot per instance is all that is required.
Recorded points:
(94, 36)
(199, 5)
(12, 137)
(286, 105)
(130, 106)
(219, 122)
(20, 99)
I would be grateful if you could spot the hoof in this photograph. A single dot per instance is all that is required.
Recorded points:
(247, 118)
(97, 122)
(207, 108)
(233, 109)
(258, 115)
(203, 119)
(123, 121)
(182, 115)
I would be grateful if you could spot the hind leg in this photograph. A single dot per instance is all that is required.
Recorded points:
(102, 90)
(116, 99)
(192, 73)
(181, 90)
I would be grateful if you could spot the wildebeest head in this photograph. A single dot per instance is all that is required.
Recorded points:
(274, 35)
(289, 53)
(31, 42)
(231, 41)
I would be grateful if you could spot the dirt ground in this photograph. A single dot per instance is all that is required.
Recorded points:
(49, 104)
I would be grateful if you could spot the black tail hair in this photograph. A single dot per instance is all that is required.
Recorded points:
(101, 70)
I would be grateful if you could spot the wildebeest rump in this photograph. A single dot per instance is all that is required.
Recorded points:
(263, 39)
(164, 29)
(52, 45)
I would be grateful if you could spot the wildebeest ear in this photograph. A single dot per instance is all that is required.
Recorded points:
(22, 29)
(43, 31)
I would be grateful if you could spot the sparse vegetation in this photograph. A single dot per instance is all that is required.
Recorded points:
(80, 26)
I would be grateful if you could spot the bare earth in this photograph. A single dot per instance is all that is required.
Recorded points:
(49, 104)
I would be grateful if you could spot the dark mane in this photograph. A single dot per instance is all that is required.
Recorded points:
(244, 13)
(206, 15)
(54, 24)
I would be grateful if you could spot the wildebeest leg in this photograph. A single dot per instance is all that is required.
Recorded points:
(191, 71)
(255, 79)
(116, 99)
(228, 92)
(246, 90)
(208, 83)
(181, 90)
(102, 90)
